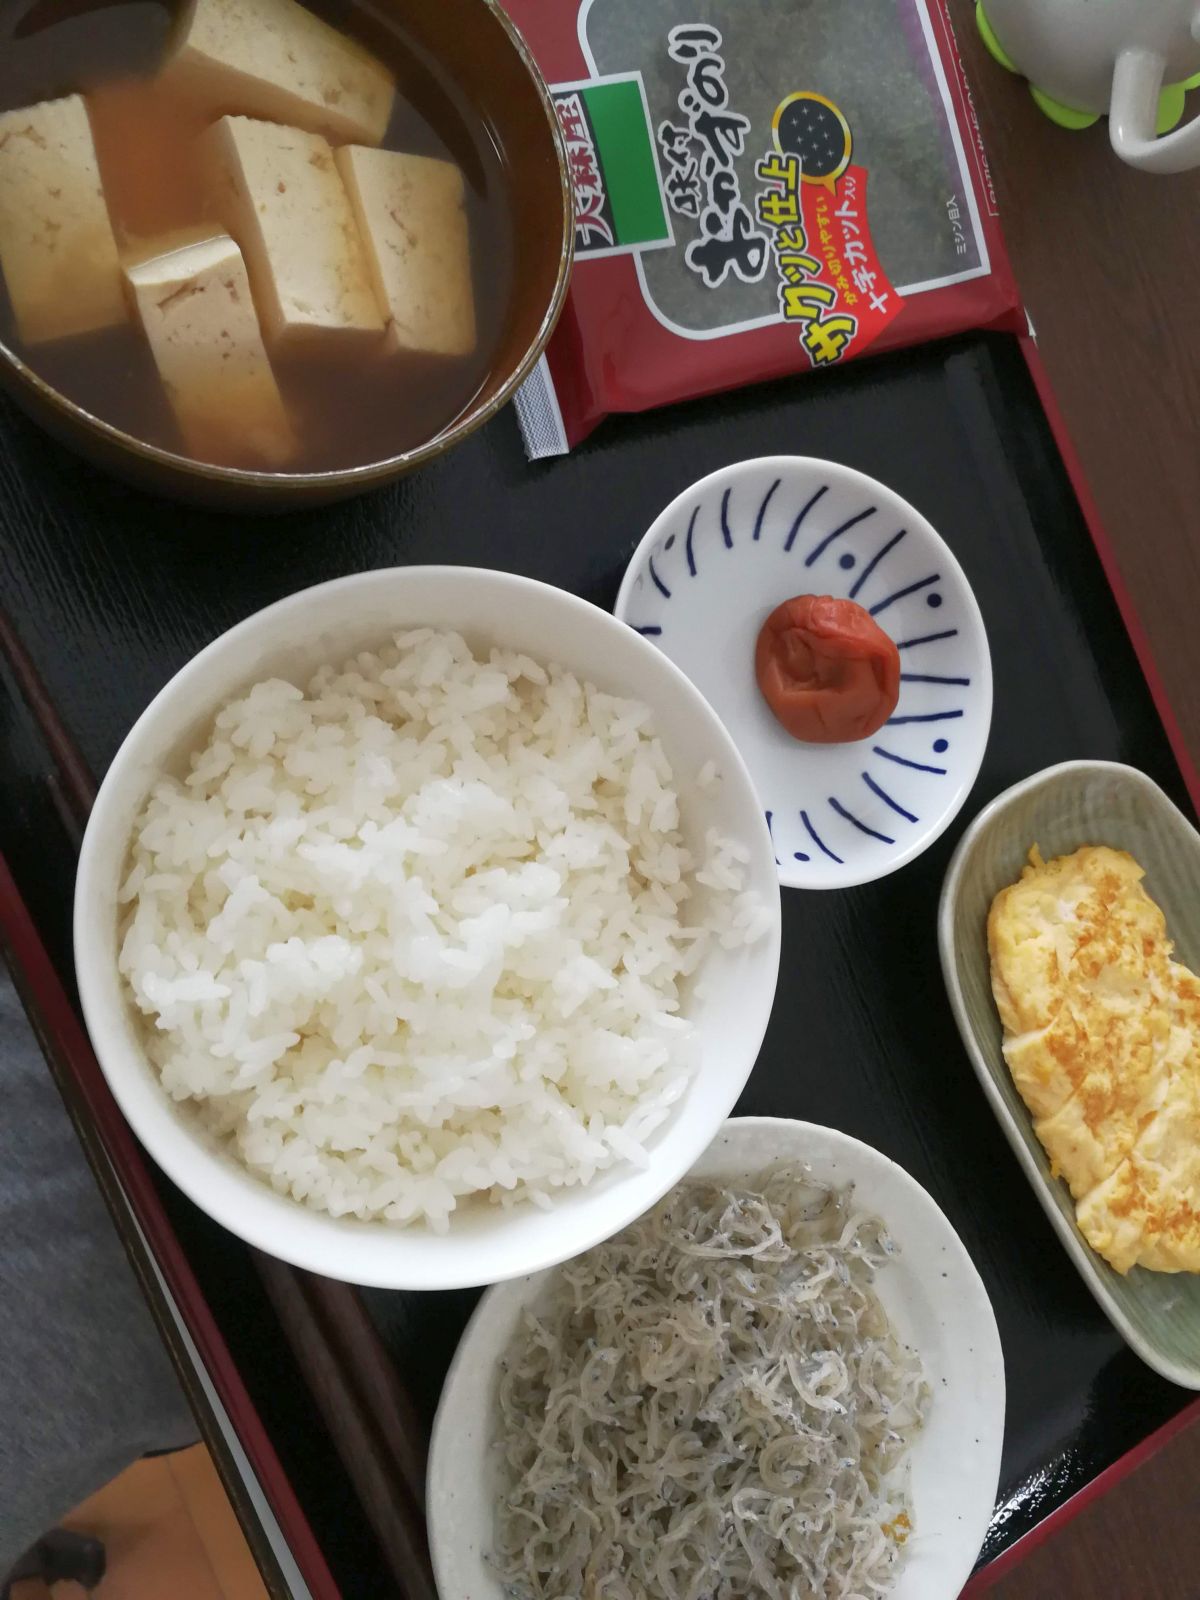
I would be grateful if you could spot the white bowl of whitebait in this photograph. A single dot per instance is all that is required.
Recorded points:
(785, 1379)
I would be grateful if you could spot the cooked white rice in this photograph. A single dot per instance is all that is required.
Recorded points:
(420, 932)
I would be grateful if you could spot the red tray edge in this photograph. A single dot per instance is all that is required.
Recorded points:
(59, 1016)
(1102, 1484)
(1120, 1469)
(1112, 569)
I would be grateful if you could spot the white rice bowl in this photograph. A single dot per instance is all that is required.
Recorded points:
(419, 932)
(325, 946)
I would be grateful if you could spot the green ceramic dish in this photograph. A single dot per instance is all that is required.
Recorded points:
(1060, 809)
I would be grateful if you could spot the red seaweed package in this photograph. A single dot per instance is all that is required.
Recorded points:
(761, 187)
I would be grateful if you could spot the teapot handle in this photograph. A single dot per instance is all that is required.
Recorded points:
(1137, 84)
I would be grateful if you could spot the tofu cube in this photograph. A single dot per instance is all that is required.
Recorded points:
(138, 248)
(274, 59)
(198, 313)
(57, 249)
(411, 212)
(279, 193)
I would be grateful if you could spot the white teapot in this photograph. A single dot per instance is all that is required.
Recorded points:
(1087, 57)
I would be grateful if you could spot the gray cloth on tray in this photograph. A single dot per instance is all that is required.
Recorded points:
(86, 1386)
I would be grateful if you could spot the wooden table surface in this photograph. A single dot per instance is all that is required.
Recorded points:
(1139, 1542)
(1108, 260)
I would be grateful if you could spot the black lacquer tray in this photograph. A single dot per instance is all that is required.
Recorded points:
(113, 591)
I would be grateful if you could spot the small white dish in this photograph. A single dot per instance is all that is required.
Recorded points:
(1060, 809)
(737, 544)
(292, 639)
(934, 1298)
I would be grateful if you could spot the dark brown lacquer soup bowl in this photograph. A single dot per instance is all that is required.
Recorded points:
(355, 412)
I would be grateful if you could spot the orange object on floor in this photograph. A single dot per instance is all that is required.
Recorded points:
(169, 1529)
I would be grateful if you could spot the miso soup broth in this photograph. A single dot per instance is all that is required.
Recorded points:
(347, 401)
